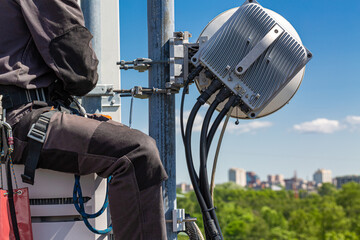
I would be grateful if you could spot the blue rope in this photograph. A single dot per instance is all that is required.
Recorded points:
(79, 205)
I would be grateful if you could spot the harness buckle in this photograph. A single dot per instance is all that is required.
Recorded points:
(27, 179)
(36, 134)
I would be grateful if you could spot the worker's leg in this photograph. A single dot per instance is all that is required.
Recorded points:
(83, 146)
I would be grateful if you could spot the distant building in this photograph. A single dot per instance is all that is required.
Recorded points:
(185, 187)
(295, 183)
(322, 176)
(238, 176)
(346, 179)
(276, 180)
(252, 180)
(271, 178)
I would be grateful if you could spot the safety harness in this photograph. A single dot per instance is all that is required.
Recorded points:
(13, 97)
(36, 135)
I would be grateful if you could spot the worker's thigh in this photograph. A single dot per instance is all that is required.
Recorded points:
(82, 146)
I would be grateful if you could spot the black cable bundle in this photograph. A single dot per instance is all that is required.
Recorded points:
(200, 183)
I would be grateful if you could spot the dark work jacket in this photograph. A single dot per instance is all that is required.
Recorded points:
(43, 41)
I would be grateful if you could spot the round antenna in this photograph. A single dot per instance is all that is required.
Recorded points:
(257, 54)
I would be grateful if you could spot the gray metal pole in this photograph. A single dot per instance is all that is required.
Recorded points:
(92, 14)
(161, 106)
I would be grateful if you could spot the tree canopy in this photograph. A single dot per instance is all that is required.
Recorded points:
(330, 214)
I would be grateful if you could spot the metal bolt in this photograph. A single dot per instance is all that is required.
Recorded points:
(238, 88)
(276, 31)
(227, 67)
(239, 69)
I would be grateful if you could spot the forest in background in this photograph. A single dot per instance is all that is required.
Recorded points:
(330, 214)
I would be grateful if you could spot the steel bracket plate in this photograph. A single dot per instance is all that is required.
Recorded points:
(259, 49)
(108, 97)
(177, 58)
(178, 220)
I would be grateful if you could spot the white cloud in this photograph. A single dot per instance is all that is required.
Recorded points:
(247, 127)
(353, 120)
(320, 125)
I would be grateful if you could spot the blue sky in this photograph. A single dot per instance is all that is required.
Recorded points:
(320, 128)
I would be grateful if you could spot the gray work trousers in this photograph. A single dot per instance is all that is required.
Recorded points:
(83, 146)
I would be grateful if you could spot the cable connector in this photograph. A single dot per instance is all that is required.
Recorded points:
(223, 94)
(195, 73)
(214, 86)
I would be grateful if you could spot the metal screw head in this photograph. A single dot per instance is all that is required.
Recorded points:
(238, 88)
(276, 31)
(239, 69)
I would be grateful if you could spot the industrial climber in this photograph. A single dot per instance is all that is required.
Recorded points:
(45, 59)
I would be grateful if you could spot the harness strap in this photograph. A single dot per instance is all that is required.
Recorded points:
(14, 96)
(36, 135)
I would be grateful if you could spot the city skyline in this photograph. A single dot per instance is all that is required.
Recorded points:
(275, 175)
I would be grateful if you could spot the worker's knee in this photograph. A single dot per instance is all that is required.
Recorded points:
(147, 147)
(146, 160)
(139, 148)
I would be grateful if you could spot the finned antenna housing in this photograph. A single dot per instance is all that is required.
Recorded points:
(257, 54)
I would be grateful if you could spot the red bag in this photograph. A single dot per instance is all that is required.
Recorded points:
(23, 216)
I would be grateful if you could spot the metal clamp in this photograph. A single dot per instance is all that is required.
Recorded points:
(178, 59)
(108, 97)
(140, 64)
(144, 93)
(179, 220)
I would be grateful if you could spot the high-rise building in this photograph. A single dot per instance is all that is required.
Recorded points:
(271, 179)
(276, 180)
(346, 179)
(185, 187)
(252, 180)
(238, 176)
(322, 176)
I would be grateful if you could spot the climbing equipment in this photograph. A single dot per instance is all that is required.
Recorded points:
(79, 205)
(36, 135)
